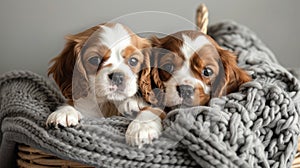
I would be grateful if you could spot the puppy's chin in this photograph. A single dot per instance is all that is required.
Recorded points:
(114, 93)
(172, 100)
(188, 103)
(116, 97)
(180, 103)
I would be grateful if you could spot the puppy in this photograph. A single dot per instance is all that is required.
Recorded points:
(189, 68)
(99, 72)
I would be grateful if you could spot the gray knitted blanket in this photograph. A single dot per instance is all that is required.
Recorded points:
(255, 127)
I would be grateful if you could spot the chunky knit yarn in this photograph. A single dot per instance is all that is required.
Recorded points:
(255, 127)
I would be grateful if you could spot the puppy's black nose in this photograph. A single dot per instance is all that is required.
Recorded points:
(185, 91)
(116, 78)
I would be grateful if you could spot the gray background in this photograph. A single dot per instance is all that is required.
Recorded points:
(32, 31)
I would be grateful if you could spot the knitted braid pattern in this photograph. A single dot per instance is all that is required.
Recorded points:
(255, 127)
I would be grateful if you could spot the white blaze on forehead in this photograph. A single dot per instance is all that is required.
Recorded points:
(116, 38)
(190, 46)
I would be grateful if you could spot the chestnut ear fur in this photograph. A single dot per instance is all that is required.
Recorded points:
(145, 78)
(151, 74)
(156, 44)
(230, 76)
(67, 69)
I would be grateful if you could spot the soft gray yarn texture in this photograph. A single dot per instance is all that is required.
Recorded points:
(257, 126)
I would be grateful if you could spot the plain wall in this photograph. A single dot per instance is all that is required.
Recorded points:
(32, 31)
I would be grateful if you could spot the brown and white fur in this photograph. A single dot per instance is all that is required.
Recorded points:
(189, 68)
(100, 71)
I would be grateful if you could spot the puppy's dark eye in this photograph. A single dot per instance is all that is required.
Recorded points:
(95, 60)
(168, 67)
(207, 72)
(133, 61)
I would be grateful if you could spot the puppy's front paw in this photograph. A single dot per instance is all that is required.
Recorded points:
(65, 116)
(142, 130)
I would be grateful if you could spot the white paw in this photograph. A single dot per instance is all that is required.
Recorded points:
(130, 107)
(142, 130)
(65, 116)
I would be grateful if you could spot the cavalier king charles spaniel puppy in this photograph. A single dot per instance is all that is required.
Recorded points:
(189, 68)
(100, 72)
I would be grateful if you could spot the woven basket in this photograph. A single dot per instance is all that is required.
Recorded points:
(34, 158)
(29, 157)
(296, 162)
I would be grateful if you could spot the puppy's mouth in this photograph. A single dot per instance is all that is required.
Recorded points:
(116, 89)
(115, 92)
(188, 102)
(181, 103)
(185, 103)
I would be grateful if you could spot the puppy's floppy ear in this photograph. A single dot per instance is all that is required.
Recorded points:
(144, 75)
(155, 41)
(230, 76)
(67, 71)
(156, 82)
(148, 77)
(67, 68)
(156, 44)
